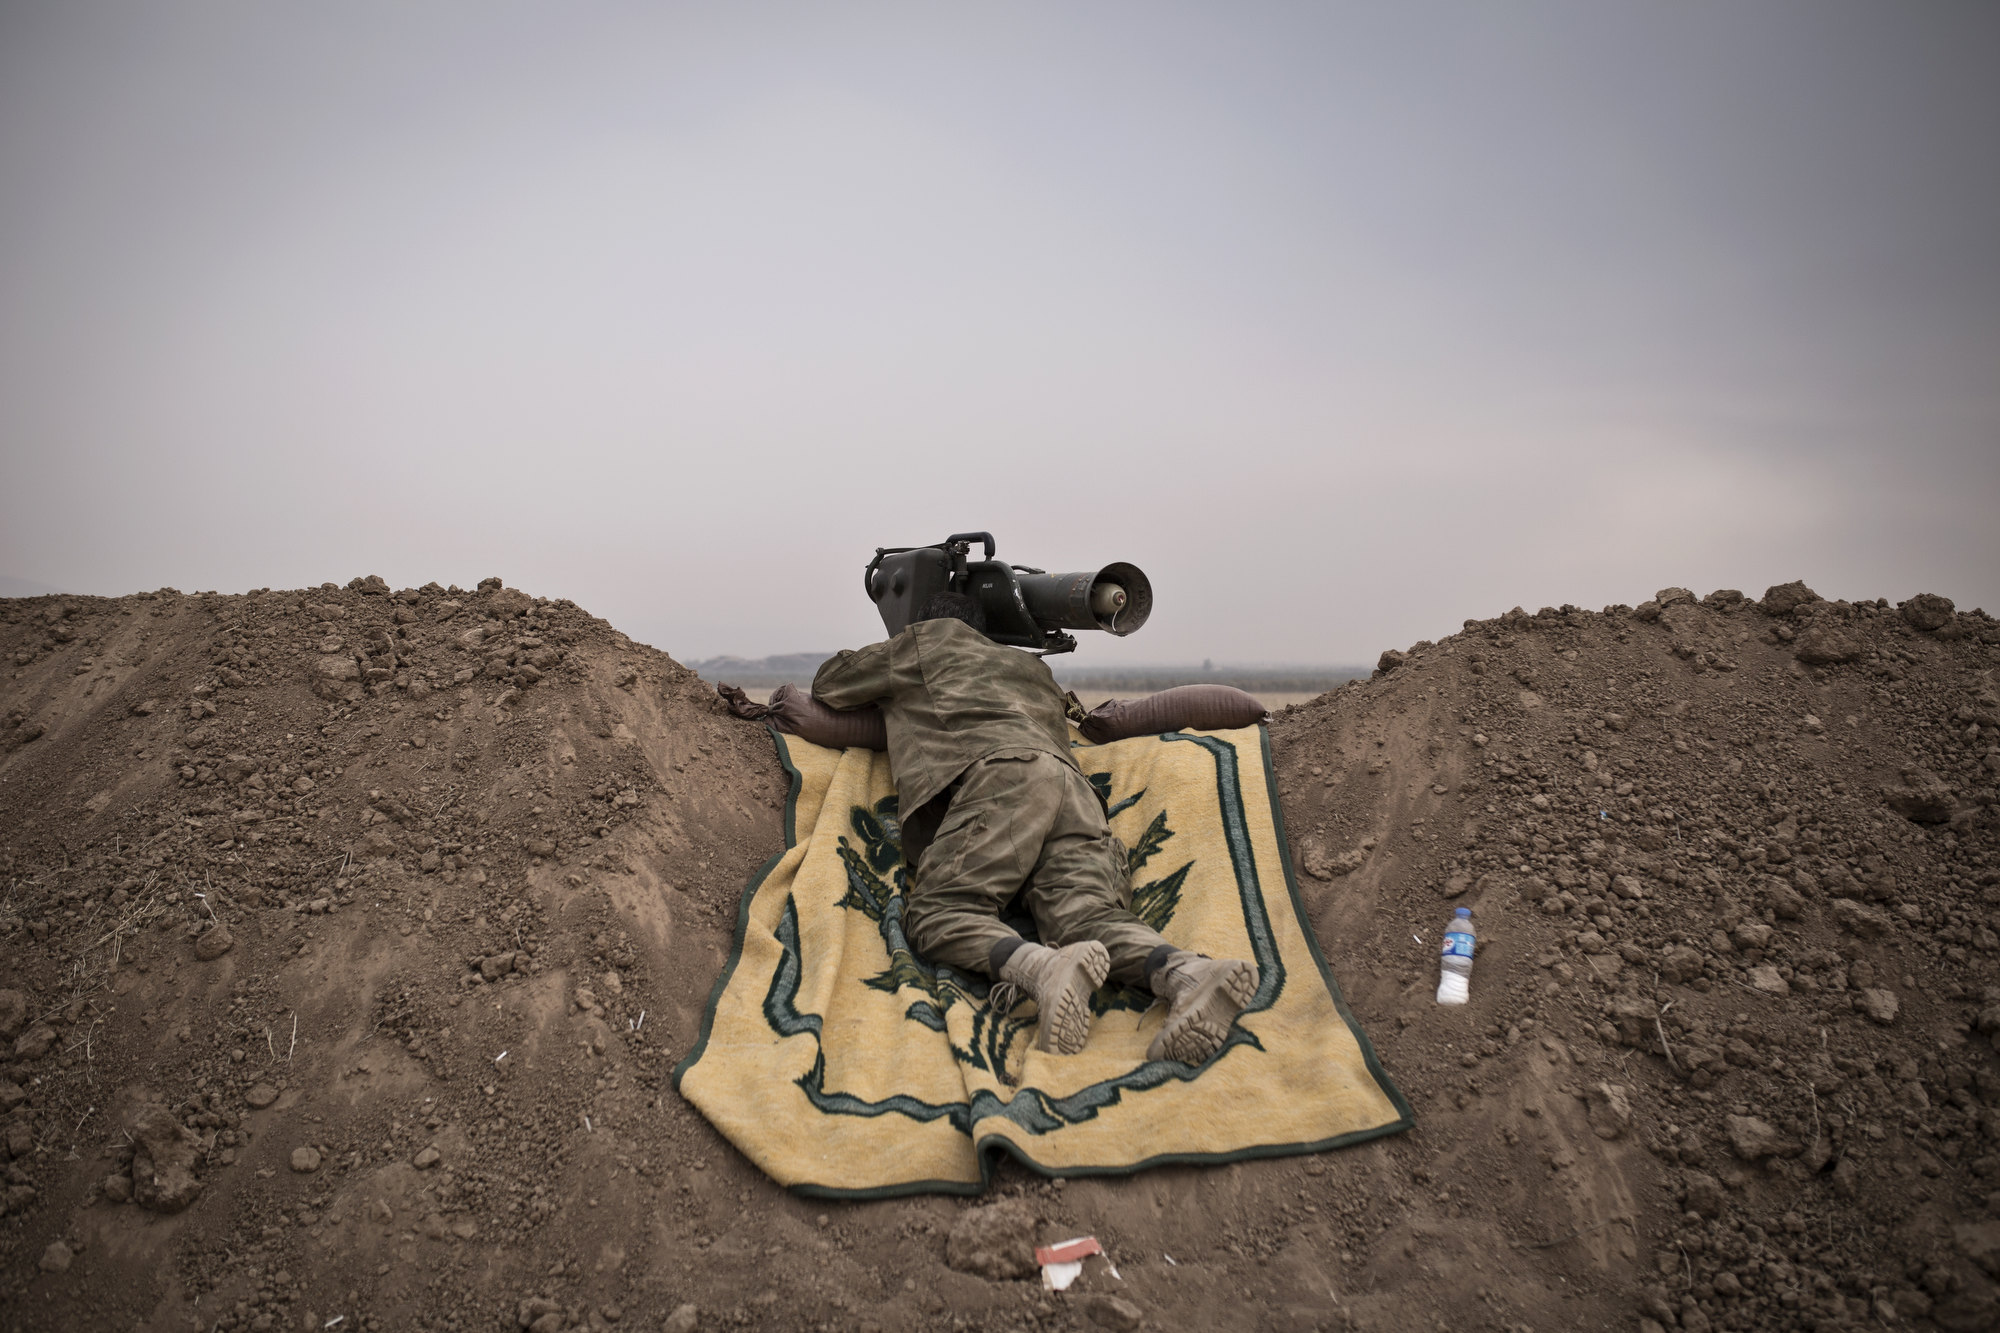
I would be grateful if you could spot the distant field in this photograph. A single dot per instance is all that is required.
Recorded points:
(1271, 699)
(1260, 681)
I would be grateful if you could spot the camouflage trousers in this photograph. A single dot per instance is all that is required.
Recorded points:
(1021, 822)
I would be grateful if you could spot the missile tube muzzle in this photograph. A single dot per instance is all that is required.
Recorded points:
(1116, 599)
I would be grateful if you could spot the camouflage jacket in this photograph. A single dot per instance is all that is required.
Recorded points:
(950, 696)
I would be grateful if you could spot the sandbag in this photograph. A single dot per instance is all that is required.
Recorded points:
(1185, 707)
(796, 713)
(1190, 707)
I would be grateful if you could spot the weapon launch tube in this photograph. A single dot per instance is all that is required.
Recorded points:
(1116, 599)
(1025, 608)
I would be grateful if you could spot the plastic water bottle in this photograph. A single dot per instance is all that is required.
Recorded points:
(1455, 978)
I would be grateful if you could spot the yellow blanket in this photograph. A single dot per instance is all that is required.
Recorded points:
(843, 1065)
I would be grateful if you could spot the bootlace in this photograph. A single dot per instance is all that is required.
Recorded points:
(1000, 1001)
(1003, 997)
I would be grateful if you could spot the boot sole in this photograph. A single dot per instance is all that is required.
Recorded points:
(1203, 1025)
(1065, 1023)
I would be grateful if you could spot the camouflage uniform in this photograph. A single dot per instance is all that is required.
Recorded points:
(993, 802)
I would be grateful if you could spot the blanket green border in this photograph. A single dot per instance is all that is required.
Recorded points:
(987, 1149)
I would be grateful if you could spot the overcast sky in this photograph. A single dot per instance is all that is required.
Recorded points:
(1345, 322)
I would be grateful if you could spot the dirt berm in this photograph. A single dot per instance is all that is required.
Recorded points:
(349, 938)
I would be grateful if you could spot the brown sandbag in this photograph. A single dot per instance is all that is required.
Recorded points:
(796, 713)
(1185, 707)
(1190, 707)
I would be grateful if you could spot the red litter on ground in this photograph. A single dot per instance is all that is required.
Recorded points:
(1069, 1252)
(1062, 1263)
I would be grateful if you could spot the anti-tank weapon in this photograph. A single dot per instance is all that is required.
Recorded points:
(1025, 607)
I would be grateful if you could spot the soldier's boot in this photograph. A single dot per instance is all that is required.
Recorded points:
(1204, 996)
(1060, 982)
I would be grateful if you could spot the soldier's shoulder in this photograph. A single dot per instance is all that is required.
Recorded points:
(846, 654)
(943, 630)
(958, 637)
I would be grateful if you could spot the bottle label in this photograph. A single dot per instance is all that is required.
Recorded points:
(1457, 944)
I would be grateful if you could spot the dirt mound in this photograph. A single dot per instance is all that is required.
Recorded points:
(349, 937)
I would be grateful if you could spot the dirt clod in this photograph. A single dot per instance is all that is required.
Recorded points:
(1754, 1140)
(1880, 1005)
(1785, 598)
(34, 1043)
(1113, 1312)
(1704, 1194)
(996, 1241)
(164, 1152)
(1979, 1242)
(1859, 918)
(1927, 611)
(1825, 647)
(1921, 797)
(1610, 1109)
(1768, 979)
(13, 1014)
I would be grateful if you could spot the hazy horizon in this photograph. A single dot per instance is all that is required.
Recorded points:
(1345, 322)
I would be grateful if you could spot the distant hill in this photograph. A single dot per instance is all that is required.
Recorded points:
(798, 669)
(760, 672)
(13, 587)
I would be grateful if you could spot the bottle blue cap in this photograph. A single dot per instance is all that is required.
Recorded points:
(1464, 911)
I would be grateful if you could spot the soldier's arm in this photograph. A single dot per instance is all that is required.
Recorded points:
(853, 678)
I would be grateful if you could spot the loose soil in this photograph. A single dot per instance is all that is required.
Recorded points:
(349, 938)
